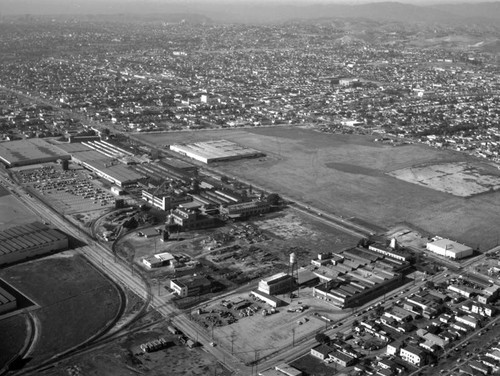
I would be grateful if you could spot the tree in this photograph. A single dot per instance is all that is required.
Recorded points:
(273, 199)
(322, 338)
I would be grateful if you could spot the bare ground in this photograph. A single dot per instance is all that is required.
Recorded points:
(347, 174)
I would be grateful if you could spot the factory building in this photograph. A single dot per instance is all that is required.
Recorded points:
(106, 168)
(245, 209)
(8, 302)
(30, 151)
(353, 281)
(391, 251)
(164, 200)
(277, 284)
(215, 151)
(192, 219)
(26, 241)
(191, 286)
(449, 248)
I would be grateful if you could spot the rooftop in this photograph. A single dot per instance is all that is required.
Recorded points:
(22, 152)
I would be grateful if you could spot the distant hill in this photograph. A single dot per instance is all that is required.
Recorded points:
(265, 12)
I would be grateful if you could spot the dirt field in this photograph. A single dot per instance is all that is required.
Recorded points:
(459, 179)
(348, 175)
(13, 213)
(120, 359)
(76, 300)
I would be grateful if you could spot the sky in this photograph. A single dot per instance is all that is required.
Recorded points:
(99, 6)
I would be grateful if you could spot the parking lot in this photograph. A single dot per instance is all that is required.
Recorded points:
(70, 191)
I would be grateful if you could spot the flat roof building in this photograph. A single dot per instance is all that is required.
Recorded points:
(158, 260)
(26, 241)
(215, 151)
(30, 151)
(449, 248)
(277, 284)
(107, 168)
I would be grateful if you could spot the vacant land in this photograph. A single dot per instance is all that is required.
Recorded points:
(349, 175)
(13, 212)
(122, 358)
(3, 191)
(459, 179)
(76, 301)
(14, 331)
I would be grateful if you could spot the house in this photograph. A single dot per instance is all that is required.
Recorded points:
(484, 369)
(468, 320)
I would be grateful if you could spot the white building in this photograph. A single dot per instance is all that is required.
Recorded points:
(158, 260)
(449, 248)
(412, 355)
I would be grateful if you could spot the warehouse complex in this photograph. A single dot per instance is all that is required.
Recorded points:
(104, 160)
(215, 151)
(356, 276)
(449, 248)
(26, 241)
(30, 151)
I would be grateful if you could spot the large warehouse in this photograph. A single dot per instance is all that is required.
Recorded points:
(215, 151)
(449, 248)
(22, 242)
(30, 151)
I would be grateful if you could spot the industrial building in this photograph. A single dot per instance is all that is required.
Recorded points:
(164, 200)
(245, 209)
(269, 299)
(26, 241)
(159, 260)
(8, 302)
(192, 219)
(277, 284)
(117, 173)
(356, 276)
(215, 151)
(30, 151)
(190, 286)
(449, 248)
(391, 251)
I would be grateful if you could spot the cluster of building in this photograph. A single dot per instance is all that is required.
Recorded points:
(446, 98)
(357, 275)
(169, 184)
(417, 330)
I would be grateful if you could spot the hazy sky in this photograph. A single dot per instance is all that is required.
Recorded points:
(127, 6)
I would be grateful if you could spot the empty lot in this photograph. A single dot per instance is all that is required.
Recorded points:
(349, 175)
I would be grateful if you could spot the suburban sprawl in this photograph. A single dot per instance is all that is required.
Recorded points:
(184, 196)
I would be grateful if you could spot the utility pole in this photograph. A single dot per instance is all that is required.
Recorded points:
(256, 362)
